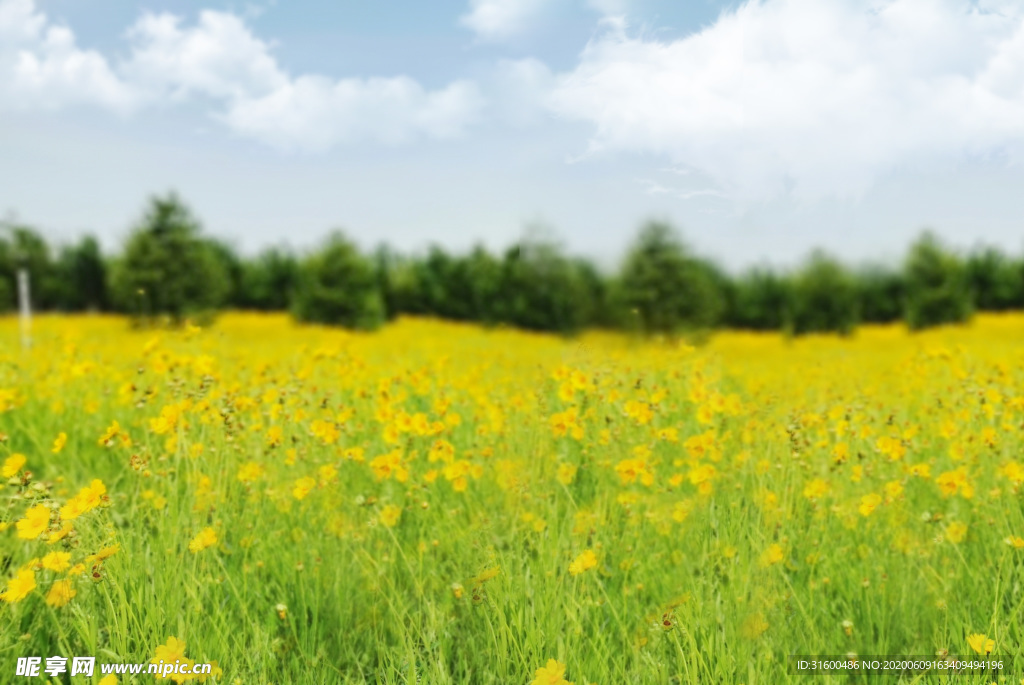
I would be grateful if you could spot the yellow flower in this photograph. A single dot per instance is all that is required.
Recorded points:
(173, 649)
(771, 556)
(207, 537)
(630, 470)
(486, 575)
(389, 515)
(274, 436)
(303, 486)
(981, 643)
(921, 470)
(168, 653)
(57, 561)
(37, 519)
(215, 672)
(566, 473)
(109, 679)
(327, 474)
(868, 503)
(60, 593)
(1015, 541)
(107, 439)
(19, 587)
(58, 535)
(754, 626)
(816, 489)
(250, 472)
(840, 452)
(584, 562)
(551, 674)
(87, 499)
(104, 553)
(956, 532)
(12, 465)
(59, 443)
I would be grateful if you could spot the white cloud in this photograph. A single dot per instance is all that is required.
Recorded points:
(220, 61)
(41, 67)
(314, 113)
(218, 57)
(19, 23)
(502, 19)
(652, 187)
(816, 96)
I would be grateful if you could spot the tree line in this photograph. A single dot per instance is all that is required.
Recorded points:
(168, 270)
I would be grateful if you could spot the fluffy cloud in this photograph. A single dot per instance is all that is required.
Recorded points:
(502, 19)
(314, 113)
(218, 57)
(817, 97)
(221, 62)
(41, 67)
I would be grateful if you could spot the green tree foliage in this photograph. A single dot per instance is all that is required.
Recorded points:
(664, 287)
(882, 293)
(936, 285)
(398, 277)
(533, 286)
(81, 277)
(996, 281)
(24, 247)
(268, 282)
(8, 270)
(598, 305)
(824, 297)
(760, 300)
(543, 290)
(338, 286)
(167, 268)
(451, 287)
(230, 264)
(73, 281)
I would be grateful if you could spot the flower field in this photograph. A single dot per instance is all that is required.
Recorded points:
(442, 503)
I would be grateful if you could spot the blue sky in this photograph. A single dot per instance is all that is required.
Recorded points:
(762, 129)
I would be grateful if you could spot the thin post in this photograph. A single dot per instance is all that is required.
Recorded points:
(25, 308)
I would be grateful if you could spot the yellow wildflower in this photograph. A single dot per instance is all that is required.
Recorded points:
(390, 515)
(57, 561)
(59, 443)
(584, 562)
(60, 593)
(19, 587)
(37, 520)
(771, 556)
(12, 465)
(551, 674)
(207, 537)
(981, 643)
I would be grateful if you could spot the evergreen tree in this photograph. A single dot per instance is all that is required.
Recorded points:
(665, 287)
(167, 269)
(936, 283)
(824, 297)
(337, 285)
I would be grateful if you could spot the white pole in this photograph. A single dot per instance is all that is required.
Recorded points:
(25, 307)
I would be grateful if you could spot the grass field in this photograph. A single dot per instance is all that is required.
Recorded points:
(438, 503)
